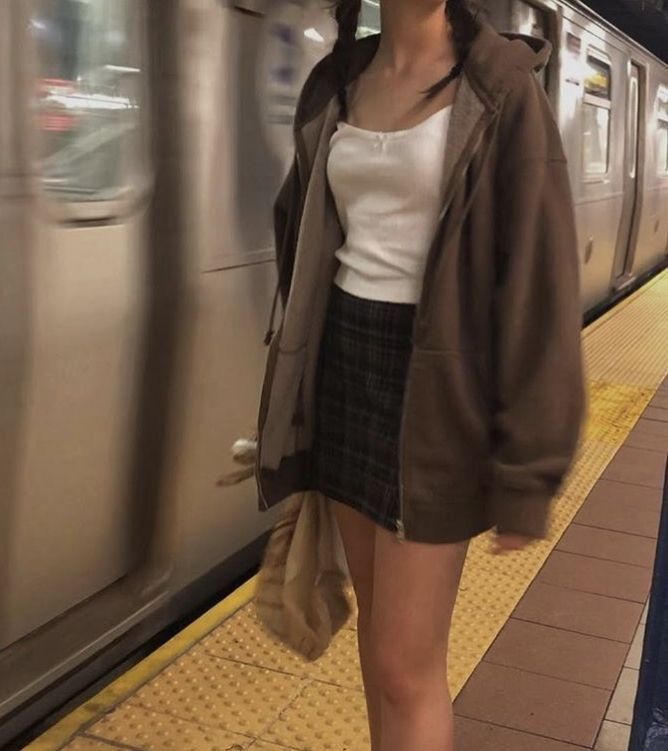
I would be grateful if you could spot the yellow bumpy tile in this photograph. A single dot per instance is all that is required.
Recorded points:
(155, 731)
(89, 744)
(219, 693)
(243, 639)
(323, 718)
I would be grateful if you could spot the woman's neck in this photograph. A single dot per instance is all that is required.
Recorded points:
(414, 34)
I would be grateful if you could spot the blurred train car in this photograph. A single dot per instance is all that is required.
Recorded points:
(141, 145)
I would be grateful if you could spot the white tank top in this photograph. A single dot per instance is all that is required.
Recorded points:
(388, 189)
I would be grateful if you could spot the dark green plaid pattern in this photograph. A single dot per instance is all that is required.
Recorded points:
(362, 372)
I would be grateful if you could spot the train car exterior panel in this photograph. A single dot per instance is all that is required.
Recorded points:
(653, 232)
(227, 356)
(236, 159)
(73, 469)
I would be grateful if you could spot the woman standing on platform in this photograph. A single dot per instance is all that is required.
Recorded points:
(427, 373)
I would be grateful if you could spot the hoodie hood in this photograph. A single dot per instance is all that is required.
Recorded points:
(494, 64)
(497, 61)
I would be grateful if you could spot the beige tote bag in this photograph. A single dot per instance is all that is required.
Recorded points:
(302, 596)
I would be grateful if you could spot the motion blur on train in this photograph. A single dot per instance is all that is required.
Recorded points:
(141, 145)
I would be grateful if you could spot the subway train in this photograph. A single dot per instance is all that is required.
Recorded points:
(141, 145)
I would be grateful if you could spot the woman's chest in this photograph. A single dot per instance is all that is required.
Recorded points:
(401, 167)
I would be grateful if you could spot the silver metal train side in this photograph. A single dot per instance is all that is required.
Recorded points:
(141, 144)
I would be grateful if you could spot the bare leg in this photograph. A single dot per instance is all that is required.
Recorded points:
(358, 534)
(414, 591)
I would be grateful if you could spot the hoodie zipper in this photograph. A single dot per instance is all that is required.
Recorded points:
(483, 124)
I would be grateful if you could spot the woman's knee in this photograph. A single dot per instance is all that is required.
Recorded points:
(406, 670)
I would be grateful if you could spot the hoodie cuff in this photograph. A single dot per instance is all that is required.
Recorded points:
(521, 512)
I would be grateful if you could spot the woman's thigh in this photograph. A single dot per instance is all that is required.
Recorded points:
(359, 535)
(414, 590)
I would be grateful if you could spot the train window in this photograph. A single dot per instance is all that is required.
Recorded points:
(596, 139)
(596, 116)
(633, 113)
(662, 104)
(370, 18)
(599, 79)
(89, 96)
(663, 147)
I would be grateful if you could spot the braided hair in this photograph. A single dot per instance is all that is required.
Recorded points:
(463, 21)
(347, 16)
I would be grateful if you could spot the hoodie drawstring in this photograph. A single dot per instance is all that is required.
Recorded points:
(272, 316)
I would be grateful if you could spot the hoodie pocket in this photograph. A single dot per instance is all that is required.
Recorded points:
(446, 423)
(281, 423)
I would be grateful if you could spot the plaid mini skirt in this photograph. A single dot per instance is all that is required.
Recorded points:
(362, 369)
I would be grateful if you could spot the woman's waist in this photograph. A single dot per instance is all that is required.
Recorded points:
(378, 283)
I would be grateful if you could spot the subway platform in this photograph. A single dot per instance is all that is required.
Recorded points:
(545, 645)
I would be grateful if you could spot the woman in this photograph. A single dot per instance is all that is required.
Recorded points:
(427, 373)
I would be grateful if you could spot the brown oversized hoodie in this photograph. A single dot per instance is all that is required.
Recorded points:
(494, 395)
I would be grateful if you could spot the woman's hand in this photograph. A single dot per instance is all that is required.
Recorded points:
(508, 543)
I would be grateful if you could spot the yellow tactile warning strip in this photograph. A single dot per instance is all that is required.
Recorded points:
(151, 666)
(223, 684)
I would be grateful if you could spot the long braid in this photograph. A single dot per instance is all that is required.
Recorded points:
(347, 17)
(464, 23)
(464, 26)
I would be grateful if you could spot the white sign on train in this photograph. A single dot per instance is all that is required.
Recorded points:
(297, 34)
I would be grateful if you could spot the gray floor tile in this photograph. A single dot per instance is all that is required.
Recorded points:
(613, 737)
(656, 413)
(637, 466)
(660, 400)
(643, 620)
(608, 545)
(559, 653)
(534, 704)
(618, 506)
(585, 613)
(600, 577)
(621, 705)
(472, 735)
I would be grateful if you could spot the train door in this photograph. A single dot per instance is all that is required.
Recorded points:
(243, 65)
(80, 102)
(13, 293)
(628, 227)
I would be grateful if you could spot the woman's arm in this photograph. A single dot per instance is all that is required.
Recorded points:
(539, 395)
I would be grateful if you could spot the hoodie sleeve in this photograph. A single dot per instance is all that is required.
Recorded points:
(539, 386)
